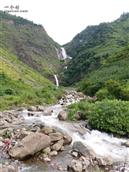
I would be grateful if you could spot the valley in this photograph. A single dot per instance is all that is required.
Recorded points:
(64, 108)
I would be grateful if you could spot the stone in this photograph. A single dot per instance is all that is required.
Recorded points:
(53, 153)
(74, 154)
(125, 144)
(47, 130)
(32, 108)
(67, 139)
(47, 112)
(57, 146)
(56, 136)
(40, 108)
(83, 150)
(62, 115)
(30, 145)
(75, 166)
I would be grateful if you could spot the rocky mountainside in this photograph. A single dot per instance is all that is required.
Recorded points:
(92, 47)
(28, 59)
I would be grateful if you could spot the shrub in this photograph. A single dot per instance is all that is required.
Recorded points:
(107, 115)
(104, 94)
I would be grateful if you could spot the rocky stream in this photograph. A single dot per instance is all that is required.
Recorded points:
(41, 139)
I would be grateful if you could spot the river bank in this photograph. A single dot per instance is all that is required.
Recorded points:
(76, 148)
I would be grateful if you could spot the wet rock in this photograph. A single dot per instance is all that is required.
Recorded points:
(75, 166)
(126, 144)
(57, 146)
(56, 136)
(83, 150)
(47, 130)
(62, 115)
(30, 145)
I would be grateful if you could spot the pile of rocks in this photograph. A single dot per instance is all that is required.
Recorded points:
(46, 141)
(71, 97)
(85, 159)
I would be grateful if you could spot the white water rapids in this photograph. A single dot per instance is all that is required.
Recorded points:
(102, 144)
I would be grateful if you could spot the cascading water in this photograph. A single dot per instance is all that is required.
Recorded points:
(102, 144)
(57, 81)
(64, 54)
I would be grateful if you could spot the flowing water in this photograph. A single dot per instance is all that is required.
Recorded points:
(102, 144)
(57, 81)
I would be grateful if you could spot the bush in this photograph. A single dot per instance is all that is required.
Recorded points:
(107, 115)
(104, 94)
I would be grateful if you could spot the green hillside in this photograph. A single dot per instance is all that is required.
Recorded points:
(92, 47)
(30, 43)
(28, 59)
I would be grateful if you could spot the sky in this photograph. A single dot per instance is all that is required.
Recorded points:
(63, 19)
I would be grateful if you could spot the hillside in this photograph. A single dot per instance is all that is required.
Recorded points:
(92, 47)
(28, 59)
(30, 43)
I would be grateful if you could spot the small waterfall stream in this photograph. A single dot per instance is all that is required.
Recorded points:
(57, 81)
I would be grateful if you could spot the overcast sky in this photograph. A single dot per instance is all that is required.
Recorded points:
(63, 19)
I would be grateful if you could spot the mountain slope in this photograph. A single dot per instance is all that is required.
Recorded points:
(30, 43)
(28, 58)
(94, 45)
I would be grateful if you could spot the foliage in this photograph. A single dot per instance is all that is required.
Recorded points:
(107, 115)
(98, 48)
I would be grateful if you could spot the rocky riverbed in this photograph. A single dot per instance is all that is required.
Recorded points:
(41, 139)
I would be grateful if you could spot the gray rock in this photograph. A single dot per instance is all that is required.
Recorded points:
(30, 145)
(83, 150)
(75, 166)
(63, 116)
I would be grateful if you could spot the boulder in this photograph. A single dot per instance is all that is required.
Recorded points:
(57, 146)
(62, 115)
(30, 145)
(55, 136)
(83, 150)
(67, 139)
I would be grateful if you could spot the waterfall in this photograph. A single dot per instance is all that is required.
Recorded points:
(56, 79)
(63, 52)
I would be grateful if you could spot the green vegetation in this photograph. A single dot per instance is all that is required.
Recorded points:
(99, 49)
(27, 58)
(30, 43)
(107, 115)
